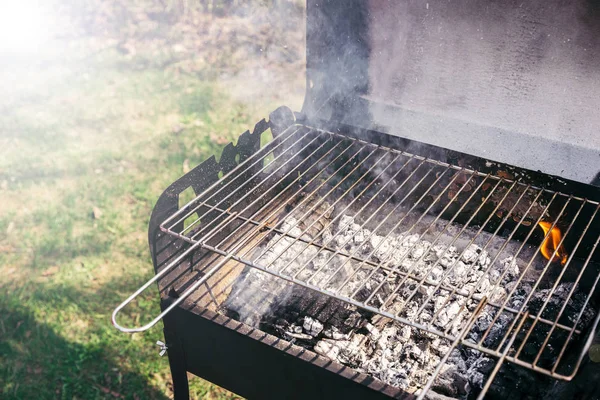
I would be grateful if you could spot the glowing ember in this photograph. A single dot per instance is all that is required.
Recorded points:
(550, 244)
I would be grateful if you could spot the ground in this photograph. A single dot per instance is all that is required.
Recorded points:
(93, 126)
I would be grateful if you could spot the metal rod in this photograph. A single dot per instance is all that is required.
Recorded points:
(451, 268)
(239, 188)
(469, 296)
(331, 207)
(425, 276)
(250, 224)
(160, 274)
(235, 172)
(509, 295)
(526, 302)
(272, 243)
(301, 218)
(375, 213)
(519, 282)
(593, 250)
(390, 231)
(323, 246)
(283, 204)
(453, 346)
(392, 212)
(499, 363)
(562, 309)
(458, 212)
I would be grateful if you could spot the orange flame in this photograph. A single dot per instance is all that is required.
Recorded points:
(551, 243)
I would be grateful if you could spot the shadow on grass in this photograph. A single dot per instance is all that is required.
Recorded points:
(37, 363)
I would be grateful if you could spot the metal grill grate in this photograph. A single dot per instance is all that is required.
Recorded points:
(283, 199)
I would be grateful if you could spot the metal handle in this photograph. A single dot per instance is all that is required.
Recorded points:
(156, 277)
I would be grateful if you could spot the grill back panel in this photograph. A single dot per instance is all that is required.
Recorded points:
(511, 81)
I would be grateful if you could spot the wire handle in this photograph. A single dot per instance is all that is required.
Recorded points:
(156, 277)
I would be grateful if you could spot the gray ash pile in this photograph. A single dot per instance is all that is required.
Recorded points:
(428, 284)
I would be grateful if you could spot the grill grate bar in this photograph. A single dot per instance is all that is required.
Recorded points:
(500, 361)
(562, 309)
(431, 224)
(453, 266)
(450, 222)
(453, 346)
(385, 264)
(321, 214)
(242, 198)
(529, 264)
(549, 296)
(185, 212)
(257, 157)
(215, 230)
(555, 283)
(506, 242)
(320, 234)
(487, 332)
(383, 220)
(592, 290)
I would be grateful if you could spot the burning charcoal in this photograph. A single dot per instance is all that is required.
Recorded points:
(448, 314)
(351, 352)
(360, 236)
(410, 240)
(326, 236)
(441, 348)
(407, 265)
(312, 326)
(374, 333)
(471, 254)
(482, 364)
(498, 330)
(483, 287)
(410, 310)
(405, 333)
(443, 250)
(327, 348)
(397, 354)
(415, 352)
(382, 247)
(291, 223)
(508, 267)
(497, 295)
(419, 249)
(388, 336)
(447, 262)
(334, 333)
(445, 382)
(355, 320)
(484, 259)
(345, 222)
(459, 274)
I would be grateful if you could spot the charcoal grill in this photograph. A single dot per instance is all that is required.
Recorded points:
(343, 155)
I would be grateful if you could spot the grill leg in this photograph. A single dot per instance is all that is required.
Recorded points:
(181, 390)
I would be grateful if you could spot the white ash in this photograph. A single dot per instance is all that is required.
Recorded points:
(312, 326)
(400, 355)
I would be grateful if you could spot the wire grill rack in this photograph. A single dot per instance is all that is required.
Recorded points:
(307, 173)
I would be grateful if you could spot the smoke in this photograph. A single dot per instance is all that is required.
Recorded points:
(510, 81)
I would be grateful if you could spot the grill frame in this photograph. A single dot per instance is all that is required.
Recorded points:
(207, 173)
(263, 227)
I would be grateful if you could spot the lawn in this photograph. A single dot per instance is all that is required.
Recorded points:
(92, 128)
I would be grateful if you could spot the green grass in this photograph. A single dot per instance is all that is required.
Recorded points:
(84, 154)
